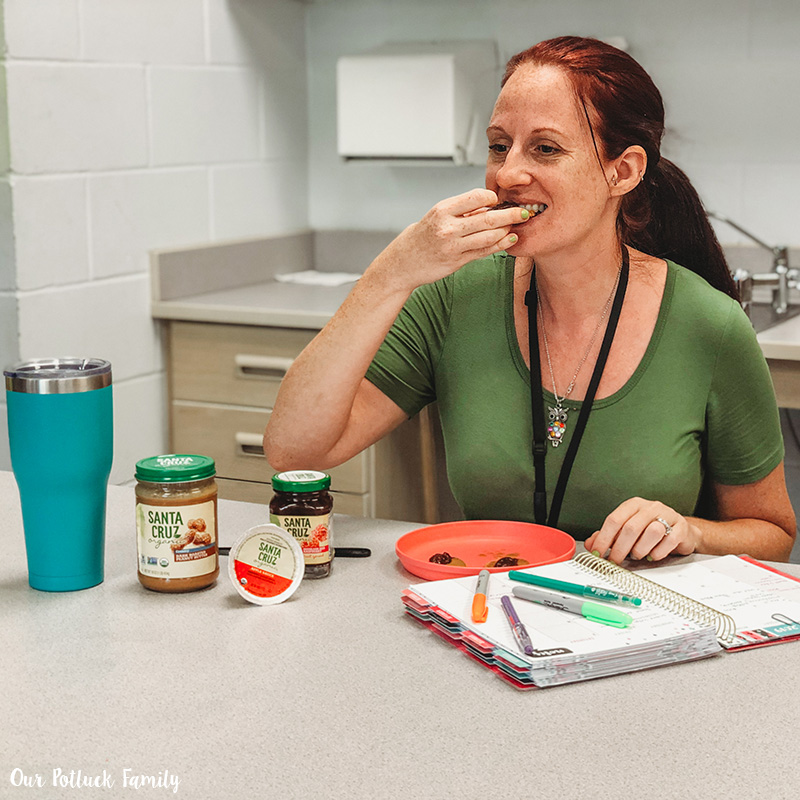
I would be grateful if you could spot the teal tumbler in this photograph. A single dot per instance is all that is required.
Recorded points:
(60, 430)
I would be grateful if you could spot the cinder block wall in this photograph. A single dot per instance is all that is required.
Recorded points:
(135, 125)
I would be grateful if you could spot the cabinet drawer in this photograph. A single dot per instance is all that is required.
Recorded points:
(356, 505)
(246, 492)
(232, 437)
(235, 364)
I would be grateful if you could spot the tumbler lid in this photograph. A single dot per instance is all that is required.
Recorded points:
(58, 375)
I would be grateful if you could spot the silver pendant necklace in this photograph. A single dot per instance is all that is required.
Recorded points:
(557, 415)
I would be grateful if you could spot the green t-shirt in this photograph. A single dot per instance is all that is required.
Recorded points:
(699, 405)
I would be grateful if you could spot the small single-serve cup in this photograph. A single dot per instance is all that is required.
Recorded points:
(60, 431)
(266, 565)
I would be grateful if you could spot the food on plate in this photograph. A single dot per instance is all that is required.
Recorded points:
(446, 558)
(508, 561)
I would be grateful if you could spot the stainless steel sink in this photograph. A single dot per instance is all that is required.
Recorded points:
(764, 316)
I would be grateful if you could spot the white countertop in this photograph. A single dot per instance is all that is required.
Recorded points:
(782, 341)
(337, 694)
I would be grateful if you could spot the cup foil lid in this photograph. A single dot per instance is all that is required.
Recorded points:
(266, 565)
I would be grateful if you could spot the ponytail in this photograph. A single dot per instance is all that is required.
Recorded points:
(665, 217)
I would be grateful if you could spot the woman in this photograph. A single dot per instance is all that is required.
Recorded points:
(682, 451)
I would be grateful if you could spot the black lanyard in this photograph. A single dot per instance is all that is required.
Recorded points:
(537, 400)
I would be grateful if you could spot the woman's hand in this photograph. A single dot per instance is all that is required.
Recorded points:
(640, 528)
(454, 232)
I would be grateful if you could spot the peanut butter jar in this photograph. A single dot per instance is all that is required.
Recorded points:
(176, 522)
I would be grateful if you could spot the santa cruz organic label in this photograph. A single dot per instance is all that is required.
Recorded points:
(312, 533)
(176, 541)
(265, 565)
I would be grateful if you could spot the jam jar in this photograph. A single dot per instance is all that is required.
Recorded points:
(303, 507)
(176, 522)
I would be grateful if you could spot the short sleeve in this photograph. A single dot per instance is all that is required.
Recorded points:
(404, 366)
(745, 442)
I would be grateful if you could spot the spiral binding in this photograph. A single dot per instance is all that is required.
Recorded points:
(635, 584)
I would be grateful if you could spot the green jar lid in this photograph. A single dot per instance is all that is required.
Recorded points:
(175, 468)
(301, 480)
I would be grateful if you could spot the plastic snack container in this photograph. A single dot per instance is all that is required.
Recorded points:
(266, 565)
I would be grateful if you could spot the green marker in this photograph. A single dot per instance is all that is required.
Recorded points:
(596, 612)
(575, 588)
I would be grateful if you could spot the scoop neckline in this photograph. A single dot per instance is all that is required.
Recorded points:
(630, 384)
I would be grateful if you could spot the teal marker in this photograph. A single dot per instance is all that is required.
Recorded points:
(596, 612)
(574, 588)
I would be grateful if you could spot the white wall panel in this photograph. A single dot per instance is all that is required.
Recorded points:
(135, 212)
(245, 32)
(66, 118)
(8, 330)
(7, 255)
(104, 319)
(139, 423)
(144, 31)
(42, 28)
(52, 234)
(776, 223)
(259, 199)
(204, 115)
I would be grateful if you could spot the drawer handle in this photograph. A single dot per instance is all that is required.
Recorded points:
(250, 444)
(265, 367)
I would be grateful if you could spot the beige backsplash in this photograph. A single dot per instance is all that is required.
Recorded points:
(213, 267)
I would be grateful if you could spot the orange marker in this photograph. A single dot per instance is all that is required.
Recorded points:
(479, 610)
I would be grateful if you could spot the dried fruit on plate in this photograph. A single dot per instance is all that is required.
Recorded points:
(446, 558)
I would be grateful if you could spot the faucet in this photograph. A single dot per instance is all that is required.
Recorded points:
(781, 279)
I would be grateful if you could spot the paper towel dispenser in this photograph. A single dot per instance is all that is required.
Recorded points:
(417, 103)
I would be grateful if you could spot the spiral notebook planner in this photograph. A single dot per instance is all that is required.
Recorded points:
(689, 611)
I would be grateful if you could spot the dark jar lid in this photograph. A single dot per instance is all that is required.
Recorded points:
(301, 480)
(175, 468)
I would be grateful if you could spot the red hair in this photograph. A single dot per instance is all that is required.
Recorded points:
(662, 216)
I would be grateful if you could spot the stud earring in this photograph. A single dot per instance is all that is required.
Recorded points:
(614, 181)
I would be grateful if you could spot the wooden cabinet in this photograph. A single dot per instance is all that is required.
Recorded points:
(223, 381)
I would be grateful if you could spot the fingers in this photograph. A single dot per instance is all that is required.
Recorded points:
(460, 229)
(487, 231)
(491, 219)
(654, 537)
(613, 528)
(454, 232)
(473, 211)
(668, 541)
(635, 530)
(473, 200)
(476, 245)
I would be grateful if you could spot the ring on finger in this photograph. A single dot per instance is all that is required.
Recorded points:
(667, 526)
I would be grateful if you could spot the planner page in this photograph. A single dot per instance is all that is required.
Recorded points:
(764, 604)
